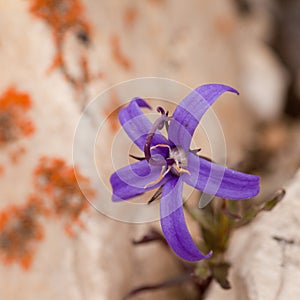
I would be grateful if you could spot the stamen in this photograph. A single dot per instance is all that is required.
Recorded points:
(179, 155)
(181, 170)
(163, 173)
(180, 161)
(161, 145)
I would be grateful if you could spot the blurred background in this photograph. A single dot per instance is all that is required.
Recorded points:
(56, 56)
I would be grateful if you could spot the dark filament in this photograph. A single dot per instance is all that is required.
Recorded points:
(156, 195)
(137, 157)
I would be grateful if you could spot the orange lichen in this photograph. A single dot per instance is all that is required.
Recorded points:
(57, 194)
(14, 123)
(16, 154)
(64, 16)
(60, 14)
(117, 54)
(20, 230)
(111, 111)
(57, 185)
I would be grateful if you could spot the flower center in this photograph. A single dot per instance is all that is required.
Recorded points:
(176, 161)
(180, 160)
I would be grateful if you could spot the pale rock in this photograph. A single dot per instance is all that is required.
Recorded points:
(93, 264)
(264, 254)
(263, 80)
(192, 43)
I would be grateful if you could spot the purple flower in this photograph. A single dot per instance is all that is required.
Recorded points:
(169, 162)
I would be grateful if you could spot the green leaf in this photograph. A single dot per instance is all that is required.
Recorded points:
(279, 195)
(220, 273)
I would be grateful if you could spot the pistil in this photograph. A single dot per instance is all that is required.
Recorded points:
(158, 125)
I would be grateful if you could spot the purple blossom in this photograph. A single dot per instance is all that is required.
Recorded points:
(169, 162)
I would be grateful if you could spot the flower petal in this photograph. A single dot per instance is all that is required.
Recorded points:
(136, 124)
(220, 181)
(131, 180)
(173, 222)
(190, 110)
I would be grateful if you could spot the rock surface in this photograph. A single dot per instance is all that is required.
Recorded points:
(194, 44)
(264, 255)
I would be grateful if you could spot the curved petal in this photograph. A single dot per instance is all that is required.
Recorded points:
(190, 110)
(136, 124)
(173, 223)
(220, 181)
(131, 180)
